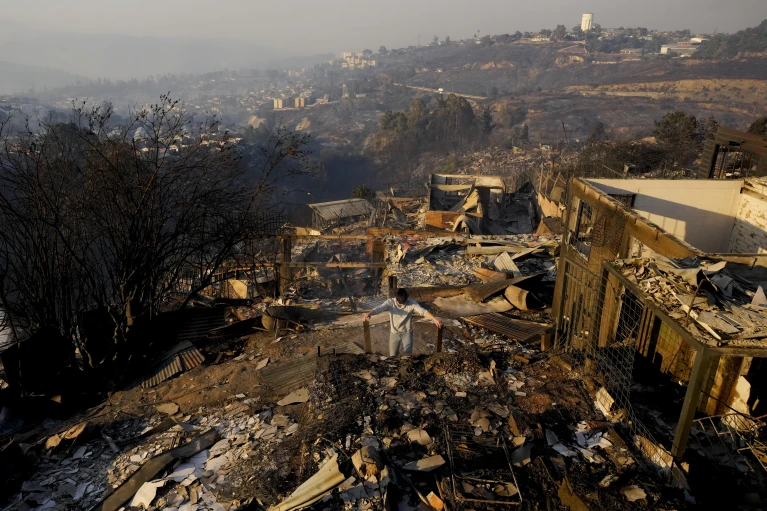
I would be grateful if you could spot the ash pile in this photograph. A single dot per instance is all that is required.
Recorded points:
(490, 426)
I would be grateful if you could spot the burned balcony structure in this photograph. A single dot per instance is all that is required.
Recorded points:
(656, 281)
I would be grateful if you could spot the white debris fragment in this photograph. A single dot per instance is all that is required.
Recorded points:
(633, 493)
(419, 436)
(216, 463)
(608, 480)
(146, 494)
(299, 396)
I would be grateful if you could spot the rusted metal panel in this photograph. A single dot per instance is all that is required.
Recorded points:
(517, 329)
(285, 377)
(191, 358)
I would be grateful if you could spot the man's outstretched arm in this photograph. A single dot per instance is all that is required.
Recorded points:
(419, 310)
(432, 317)
(378, 310)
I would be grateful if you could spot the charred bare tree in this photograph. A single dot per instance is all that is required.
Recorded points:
(94, 216)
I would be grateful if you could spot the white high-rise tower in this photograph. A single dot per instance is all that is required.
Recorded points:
(587, 23)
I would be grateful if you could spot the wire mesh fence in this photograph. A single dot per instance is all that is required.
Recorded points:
(600, 324)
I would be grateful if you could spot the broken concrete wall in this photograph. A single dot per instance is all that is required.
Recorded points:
(612, 230)
(702, 213)
(749, 234)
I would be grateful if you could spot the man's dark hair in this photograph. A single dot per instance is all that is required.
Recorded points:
(401, 296)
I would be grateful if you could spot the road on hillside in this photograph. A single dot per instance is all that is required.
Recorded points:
(437, 91)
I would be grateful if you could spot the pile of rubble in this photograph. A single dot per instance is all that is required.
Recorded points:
(460, 260)
(718, 302)
(501, 425)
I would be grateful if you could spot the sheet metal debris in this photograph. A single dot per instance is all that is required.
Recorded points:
(182, 357)
(509, 326)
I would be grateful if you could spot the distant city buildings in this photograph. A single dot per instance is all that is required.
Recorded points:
(351, 60)
(682, 49)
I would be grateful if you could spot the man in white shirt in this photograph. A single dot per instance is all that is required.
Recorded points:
(401, 310)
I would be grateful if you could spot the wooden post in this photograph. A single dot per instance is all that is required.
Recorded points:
(698, 377)
(348, 291)
(285, 274)
(392, 285)
(438, 347)
(368, 344)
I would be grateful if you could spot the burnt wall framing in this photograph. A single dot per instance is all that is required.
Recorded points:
(739, 151)
(602, 321)
(599, 227)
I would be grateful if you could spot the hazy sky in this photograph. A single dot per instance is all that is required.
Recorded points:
(310, 26)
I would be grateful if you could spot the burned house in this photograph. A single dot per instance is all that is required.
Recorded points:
(662, 281)
(478, 205)
(326, 215)
(733, 154)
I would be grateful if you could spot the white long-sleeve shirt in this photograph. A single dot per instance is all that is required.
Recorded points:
(401, 316)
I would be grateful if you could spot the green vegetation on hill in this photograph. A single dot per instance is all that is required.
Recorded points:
(751, 40)
(450, 125)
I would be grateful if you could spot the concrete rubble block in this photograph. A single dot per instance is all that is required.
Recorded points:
(633, 493)
(419, 436)
(299, 396)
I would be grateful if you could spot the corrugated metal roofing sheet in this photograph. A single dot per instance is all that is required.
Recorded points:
(194, 324)
(517, 329)
(342, 208)
(182, 357)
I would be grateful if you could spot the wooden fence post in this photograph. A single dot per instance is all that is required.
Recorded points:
(438, 348)
(368, 345)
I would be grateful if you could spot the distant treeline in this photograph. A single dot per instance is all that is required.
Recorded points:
(751, 40)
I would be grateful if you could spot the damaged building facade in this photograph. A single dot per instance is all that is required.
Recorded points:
(670, 274)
